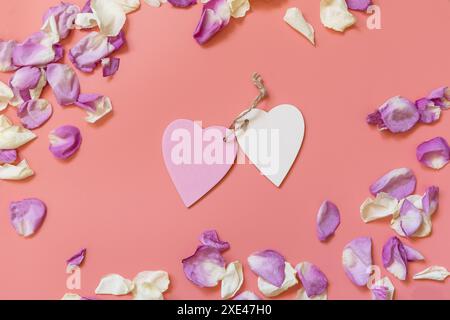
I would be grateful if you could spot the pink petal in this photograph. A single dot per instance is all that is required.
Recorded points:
(6, 52)
(328, 219)
(64, 14)
(8, 156)
(64, 83)
(430, 200)
(357, 260)
(33, 51)
(111, 67)
(27, 215)
(215, 16)
(77, 259)
(313, 279)
(429, 111)
(205, 268)
(34, 113)
(360, 5)
(410, 218)
(182, 3)
(65, 141)
(398, 183)
(269, 265)
(434, 153)
(211, 238)
(396, 257)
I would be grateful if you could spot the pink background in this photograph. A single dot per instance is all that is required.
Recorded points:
(116, 198)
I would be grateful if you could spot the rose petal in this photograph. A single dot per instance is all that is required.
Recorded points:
(128, 6)
(22, 82)
(247, 295)
(436, 273)
(434, 153)
(110, 66)
(6, 52)
(268, 265)
(64, 83)
(211, 238)
(410, 218)
(96, 106)
(34, 113)
(86, 20)
(114, 284)
(383, 289)
(239, 8)
(360, 5)
(313, 279)
(399, 114)
(334, 14)
(150, 285)
(205, 268)
(6, 94)
(15, 172)
(37, 50)
(357, 260)
(430, 200)
(382, 206)
(301, 295)
(76, 260)
(215, 16)
(429, 112)
(65, 141)
(27, 215)
(441, 97)
(412, 254)
(328, 220)
(423, 231)
(232, 280)
(182, 3)
(398, 183)
(110, 16)
(64, 14)
(295, 19)
(13, 136)
(290, 280)
(8, 156)
(396, 256)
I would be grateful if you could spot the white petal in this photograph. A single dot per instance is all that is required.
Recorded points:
(238, 8)
(50, 28)
(153, 3)
(110, 16)
(436, 273)
(295, 19)
(382, 206)
(85, 20)
(6, 94)
(13, 136)
(269, 290)
(128, 6)
(334, 14)
(150, 285)
(15, 172)
(103, 107)
(71, 296)
(232, 281)
(114, 284)
(301, 295)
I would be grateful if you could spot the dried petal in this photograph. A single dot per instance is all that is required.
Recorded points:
(410, 218)
(114, 284)
(434, 153)
(268, 265)
(12, 136)
(8, 156)
(232, 280)
(182, 3)
(334, 14)
(65, 141)
(441, 97)
(247, 295)
(64, 15)
(64, 83)
(37, 50)
(150, 285)
(301, 295)
(34, 113)
(205, 268)
(430, 200)
(239, 8)
(110, 66)
(396, 256)
(6, 52)
(398, 183)
(110, 16)
(429, 111)
(211, 238)
(6, 94)
(436, 273)
(215, 16)
(76, 260)
(412, 254)
(22, 82)
(86, 20)
(328, 220)
(27, 215)
(128, 6)
(360, 5)
(383, 289)
(290, 280)
(15, 172)
(399, 114)
(382, 206)
(96, 106)
(313, 279)
(295, 19)
(357, 260)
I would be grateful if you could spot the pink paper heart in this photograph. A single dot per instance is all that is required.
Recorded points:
(197, 159)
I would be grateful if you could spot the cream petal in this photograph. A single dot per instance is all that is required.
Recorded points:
(15, 172)
(150, 285)
(238, 8)
(103, 107)
(110, 16)
(382, 206)
(301, 295)
(334, 14)
(6, 94)
(269, 290)
(86, 20)
(295, 19)
(114, 284)
(232, 281)
(436, 273)
(13, 136)
(71, 296)
(128, 6)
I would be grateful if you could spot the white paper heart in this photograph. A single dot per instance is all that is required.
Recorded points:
(271, 140)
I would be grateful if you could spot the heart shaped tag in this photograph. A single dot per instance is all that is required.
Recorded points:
(197, 159)
(271, 140)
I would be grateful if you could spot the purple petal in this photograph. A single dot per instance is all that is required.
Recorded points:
(412, 254)
(441, 97)
(182, 3)
(59, 52)
(6, 52)
(357, 260)
(380, 293)
(398, 183)
(65, 141)
(434, 153)
(215, 16)
(211, 238)
(269, 265)
(205, 268)
(410, 218)
(111, 67)
(27, 215)
(430, 200)
(328, 219)
(87, 7)
(87, 101)
(33, 51)
(76, 259)
(360, 5)
(8, 156)
(34, 113)
(313, 279)
(64, 83)
(247, 295)
(395, 258)
(375, 119)
(25, 78)
(399, 114)
(429, 111)
(65, 15)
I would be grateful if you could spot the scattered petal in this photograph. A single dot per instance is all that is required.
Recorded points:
(22, 82)
(96, 106)
(85, 20)
(312, 278)
(232, 280)
(64, 83)
(430, 200)
(34, 113)
(290, 280)
(247, 295)
(150, 285)
(211, 238)
(110, 66)
(27, 215)
(441, 97)
(76, 260)
(301, 295)
(205, 268)
(396, 256)
(436, 273)
(6, 94)
(434, 153)
(65, 141)
(182, 3)
(128, 6)
(410, 218)
(37, 50)
(8, 156)
(114, 284)
(334, 14)
(383, 289)
(382, 206)
(357, 260)
(413, 254)
(429, 111)
(18, 172)
(398, 183)
(268, 265)
(110, 16)
(6, 52)
(155, 3)
(239, 8)
(360, 5)
(328, 220)
(215, 16)
(12, 136)
(64, 15)
(295, 19)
